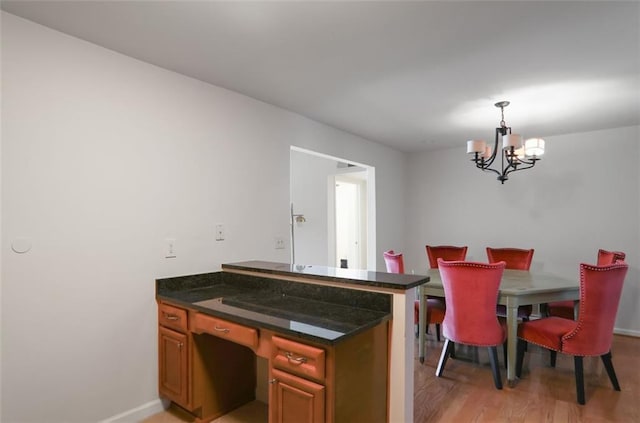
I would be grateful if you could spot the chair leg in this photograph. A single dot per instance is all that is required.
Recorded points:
(552, 357)
(520, 356)
(577, 361)
(438, 332)
(495, 367)
(606, 360)
(526, 345)
(446, 350)
(505, 353)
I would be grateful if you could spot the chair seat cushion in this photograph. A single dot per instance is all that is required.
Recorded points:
(547, 332)
(561, 309)
(435, 311)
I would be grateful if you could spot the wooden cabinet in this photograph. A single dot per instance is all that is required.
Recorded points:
(173, 355)
(207, 366)
(346, 382)
(294, 394)
(293, 399)
(173, 366)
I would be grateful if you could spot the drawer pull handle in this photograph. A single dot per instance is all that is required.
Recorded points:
(219, 329)
(171, 316)
(272, 381)
(296, 360)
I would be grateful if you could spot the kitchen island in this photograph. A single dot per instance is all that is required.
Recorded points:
(332, 338)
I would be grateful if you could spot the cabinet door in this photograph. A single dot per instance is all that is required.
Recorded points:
(295, 400)
(173, 366)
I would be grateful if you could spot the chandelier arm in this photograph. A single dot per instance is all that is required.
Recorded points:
(489, 169)
(494, 154)
(521, 168)
(483, 165)
(530, 161)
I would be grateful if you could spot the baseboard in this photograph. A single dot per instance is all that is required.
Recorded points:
(627, 332)
(137, 414)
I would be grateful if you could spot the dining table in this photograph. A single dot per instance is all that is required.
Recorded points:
(517, 288)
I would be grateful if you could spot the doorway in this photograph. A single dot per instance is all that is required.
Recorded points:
(350, 220)
(332, 203)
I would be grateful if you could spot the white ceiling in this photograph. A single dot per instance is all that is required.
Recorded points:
(412, 75)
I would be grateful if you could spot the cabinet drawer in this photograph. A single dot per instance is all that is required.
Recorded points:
(224, 329)
(172, 317)
(294, 357)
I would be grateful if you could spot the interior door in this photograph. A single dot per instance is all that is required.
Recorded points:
(350, 222)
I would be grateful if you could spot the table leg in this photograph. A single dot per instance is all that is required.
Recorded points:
(512, 341)
(422, 324)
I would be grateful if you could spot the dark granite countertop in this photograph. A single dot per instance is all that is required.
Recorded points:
(319, 313)
(393, 281)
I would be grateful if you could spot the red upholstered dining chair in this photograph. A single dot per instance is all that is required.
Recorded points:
(566, 308)
(447, 253)
(435, 310)
(609, 257)
(471, 292)
(591, 334)
(394, 261)
(517, 259)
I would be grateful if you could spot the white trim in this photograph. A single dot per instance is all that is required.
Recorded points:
(137, 414)
(627, 332)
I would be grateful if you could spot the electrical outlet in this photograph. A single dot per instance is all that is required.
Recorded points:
(279, 243)
(170, 248)
(219, 233)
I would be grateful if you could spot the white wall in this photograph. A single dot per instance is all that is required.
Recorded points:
(309, 184)
(582, 196)
(103, 158)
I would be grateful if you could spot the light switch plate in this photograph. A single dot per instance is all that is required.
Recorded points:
(219, 233)
(170, 248)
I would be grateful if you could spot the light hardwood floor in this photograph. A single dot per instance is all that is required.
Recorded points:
(465, 392)
(254, 412)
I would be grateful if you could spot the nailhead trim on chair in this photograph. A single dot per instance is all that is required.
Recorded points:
(480, 265)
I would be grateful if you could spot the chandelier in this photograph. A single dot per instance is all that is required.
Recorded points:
(514, 155)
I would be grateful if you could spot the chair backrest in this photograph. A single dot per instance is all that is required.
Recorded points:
(394, 261)
(609, 257)
(471, 295)
(445, 252)
(515, 258)
(600, 290)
